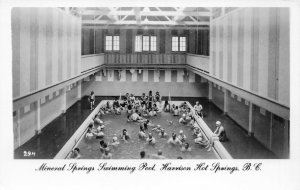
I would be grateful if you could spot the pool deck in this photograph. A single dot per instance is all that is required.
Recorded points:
(56, 133)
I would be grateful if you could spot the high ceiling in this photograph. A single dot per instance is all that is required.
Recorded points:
(144, 16)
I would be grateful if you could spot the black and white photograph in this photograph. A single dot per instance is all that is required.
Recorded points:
(184, 87)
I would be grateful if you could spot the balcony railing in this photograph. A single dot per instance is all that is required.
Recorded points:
(144, 58)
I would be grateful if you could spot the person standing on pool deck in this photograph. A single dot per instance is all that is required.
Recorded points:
(198, 109)
(219, 134)
(92, 100)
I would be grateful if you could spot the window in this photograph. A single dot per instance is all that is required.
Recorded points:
(112, 43)
(182, 44)
(138, 43)
(174, 43)
(145, 43)
(153, 43)
(178, 43)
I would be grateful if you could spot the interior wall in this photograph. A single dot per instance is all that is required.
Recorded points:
(93, 41)
(72, 95)
(177, 83)
(218, 96)
(27, 122)
(250, 49)
(50, 108)
(45, 48)
(238, 110)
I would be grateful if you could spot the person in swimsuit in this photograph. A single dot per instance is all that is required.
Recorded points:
(150, 139)
(125, 136)
(219, 134)
(74, 154)
(92, 100)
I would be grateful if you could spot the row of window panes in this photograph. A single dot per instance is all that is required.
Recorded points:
(144, 43)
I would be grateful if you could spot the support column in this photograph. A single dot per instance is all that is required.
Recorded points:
(38, 117)
(271, 131)
(225, 109)
(250, 127)
(79, 90)
(286, 145)
(19, 127)
(210, 91)
(64, 100)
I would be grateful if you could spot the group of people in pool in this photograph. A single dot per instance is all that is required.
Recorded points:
(138, 109)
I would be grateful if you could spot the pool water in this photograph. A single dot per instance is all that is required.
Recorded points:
(131, 149)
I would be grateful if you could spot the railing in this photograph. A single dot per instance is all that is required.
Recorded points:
(91, 61)
(144, 58)
(199, 61)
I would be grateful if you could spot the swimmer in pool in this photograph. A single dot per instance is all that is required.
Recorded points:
(167, 106)
(174, 140)
(115, 143)
(125, 136)
(99, 134)
(186, 147)
(106, 155)
(201, 140)
(89, 135)
(150, 139)
(158, 155)
(162, 133)
(74, 154)
(142, 133)
(183, 120)
(176, 111)
(181, 136)
(103, 146)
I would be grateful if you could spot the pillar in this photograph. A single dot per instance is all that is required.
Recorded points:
(250, 127)
(18, 126)
(271, 131)
(64, 100)
(38, 117)
(79, 90)
(210, 90)
(225, 109)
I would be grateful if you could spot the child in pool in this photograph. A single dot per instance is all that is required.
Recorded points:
(186, 147)
(162, 133)
(106, 155)
(176, 111)
(174, 140)
(201, 140)
(74, 154)
(89, 135)
(152, 112)
(150, 139)
(167, 106)
(115, 143)
(125, 136)
(183, 119)
(181, 136)
(142, 133)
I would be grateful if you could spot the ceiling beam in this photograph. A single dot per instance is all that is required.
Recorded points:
(137, 13)
(145, 23)
(165, 27)
(146, 13)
